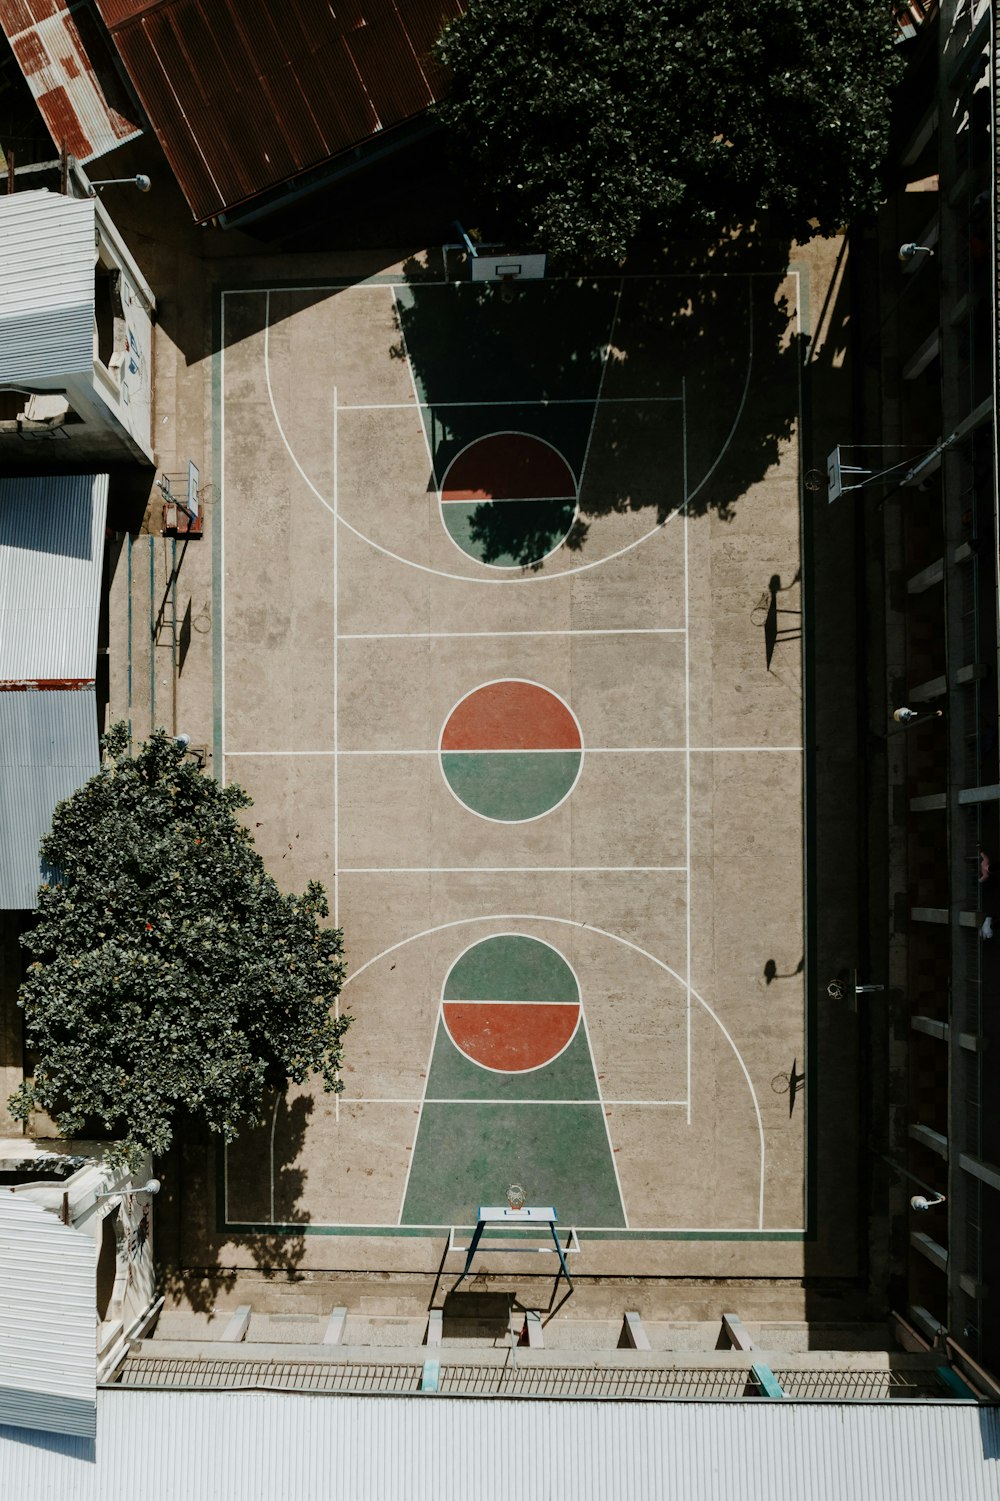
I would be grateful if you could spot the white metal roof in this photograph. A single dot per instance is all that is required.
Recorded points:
(48, 748)
(48, 252)
(259, 1446)
(51, 565)
(48, 1311)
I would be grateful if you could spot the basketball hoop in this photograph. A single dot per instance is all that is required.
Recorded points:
(516, 1196)
(814, 480)
(507, 288)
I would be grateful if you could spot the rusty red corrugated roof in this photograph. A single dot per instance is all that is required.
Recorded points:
(247, 94)
(68, 63)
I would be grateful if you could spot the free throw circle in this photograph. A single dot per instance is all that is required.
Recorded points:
(508, 499)
(511, 1003)
(511, 750)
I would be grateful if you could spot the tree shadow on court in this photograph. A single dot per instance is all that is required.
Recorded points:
(221, 1220)
(679, 378)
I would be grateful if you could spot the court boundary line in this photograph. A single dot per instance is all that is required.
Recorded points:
(592, 750)
(749, 278)
(687, 744)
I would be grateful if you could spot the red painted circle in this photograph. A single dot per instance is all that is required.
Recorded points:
(511, 715)
(508, 466)
(510, 1037)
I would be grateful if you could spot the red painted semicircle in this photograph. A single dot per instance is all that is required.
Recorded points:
(511, 715)
(513, 1037)
(509, 466)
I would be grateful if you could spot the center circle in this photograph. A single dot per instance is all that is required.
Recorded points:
(508, 500)
(511, 1003)
(511, 750)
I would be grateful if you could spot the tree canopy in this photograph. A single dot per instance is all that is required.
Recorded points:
(592, 120)
(170, 976)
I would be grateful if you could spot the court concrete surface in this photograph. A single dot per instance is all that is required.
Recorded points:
(508, 652)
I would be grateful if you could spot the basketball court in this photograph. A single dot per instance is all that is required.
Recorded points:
(488, 601)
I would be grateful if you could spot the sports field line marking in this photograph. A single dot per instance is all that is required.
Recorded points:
(567, 922)
(501, 500)
(687, 741)
(652, 630)
(416, 394)
(221, 523)
(604, 1114)
(416, 1129)
(336, 669)
(605, 362)
(335, 456)
(467, 1000)
(591, 750)
(529, 578)
(274, 1122)
(515, 870)
(528, 401)
(477, 1100)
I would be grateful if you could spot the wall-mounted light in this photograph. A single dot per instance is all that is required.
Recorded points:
(140, 181)
(920, 1202)
(152, 1187)
(909, 250)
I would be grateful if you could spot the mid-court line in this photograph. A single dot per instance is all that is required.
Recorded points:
(516, 870)
(567, 922)
(592, 750)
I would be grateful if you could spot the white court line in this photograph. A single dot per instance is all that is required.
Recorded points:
(420, 1115)
(591, 750)
(220, 771)
(687, 742)
(419, 407)
(504, 870)
(336, 669)
(597, 400)
(651, 630)
(335, 440)
(494, 1100)
(274, 1122)
(604, 1114)
(547, 401)
(567, 922)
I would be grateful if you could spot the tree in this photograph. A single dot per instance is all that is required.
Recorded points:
(170, 976)
(593, 120)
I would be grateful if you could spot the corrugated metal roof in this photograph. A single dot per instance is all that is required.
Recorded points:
(48, 748)
(51, 566)
(47, 251)
(48, 1311)
(69, 66)
(247, 94)
(213, 1446)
